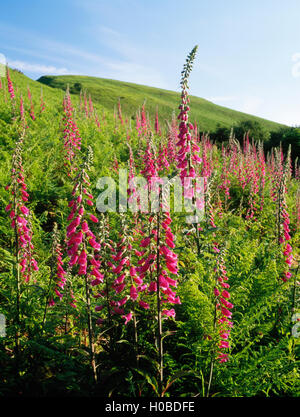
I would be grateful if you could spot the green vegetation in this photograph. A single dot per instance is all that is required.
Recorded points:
(132, 96)
(248, 239)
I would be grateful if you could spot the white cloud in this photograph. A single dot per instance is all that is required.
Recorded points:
(2, 65)
(289, 116)
(37, 68)
(2, 59)
(135, 73)
(130, 64)
(296, 66)
(40, 56)
(221, 99)
(252, 105)
(135, 63)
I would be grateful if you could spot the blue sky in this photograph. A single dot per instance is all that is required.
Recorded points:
(248, 57)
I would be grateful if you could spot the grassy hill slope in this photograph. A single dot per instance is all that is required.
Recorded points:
(107, 93)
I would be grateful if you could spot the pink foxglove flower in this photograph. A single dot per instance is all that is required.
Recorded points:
(82, 245)
(223, 307)
(10, 87)
(19, 214)
(127, 317)
(71, 136)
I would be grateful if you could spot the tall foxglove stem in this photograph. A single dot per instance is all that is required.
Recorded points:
(212, 362)
(51, 275)
(90, 326)
(158, 299)
(81, 243)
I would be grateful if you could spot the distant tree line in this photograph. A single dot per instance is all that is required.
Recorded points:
(286, 135)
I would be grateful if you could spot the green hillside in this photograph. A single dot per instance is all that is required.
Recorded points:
(153, 325)
(107, 93)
